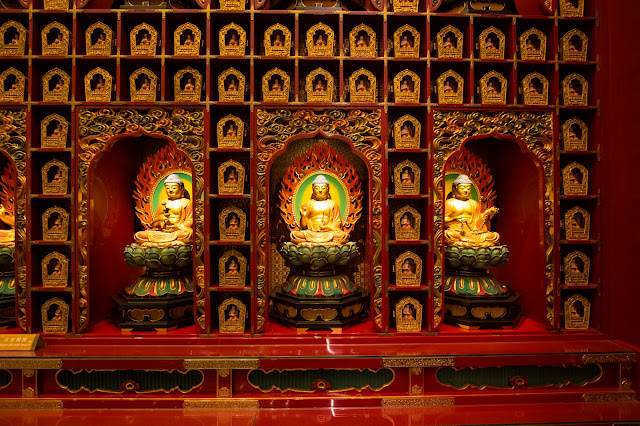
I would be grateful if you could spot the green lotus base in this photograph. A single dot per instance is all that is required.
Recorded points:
(7, 310)
(168, 270)
(318, 313)
(152, 313)
(482, 311)
(466, 270)
(310, 284)
(318, 257)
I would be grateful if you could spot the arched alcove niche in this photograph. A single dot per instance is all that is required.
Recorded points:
(355, 134)
(518, 182)
(279, 233)
(112, 221)
(517, 149)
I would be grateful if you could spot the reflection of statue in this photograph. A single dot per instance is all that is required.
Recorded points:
(464, 222)
(320, 220)
(173, 220)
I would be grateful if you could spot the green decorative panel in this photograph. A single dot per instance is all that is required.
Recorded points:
(321, 379)
(528, 376)
(5, 378)
(137, 381)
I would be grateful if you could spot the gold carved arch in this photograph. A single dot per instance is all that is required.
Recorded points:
(97, 94)
(13, 143)
(99, 126)
(362, 128)
(535, 131)
(93, 48)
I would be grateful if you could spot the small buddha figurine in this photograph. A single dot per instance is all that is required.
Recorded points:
(233, 267)
(533, 89)
(407, 267)
(232, 176)
(58, 40)
(448, 43)
(447, 88)
(573, 46)
(57, 131)
(146, 85)
(57, 178)
(233, 41)
(146, 40)
(489, 44)
(406, 177)
(577, 310)
(232, 86)
(59, 86)
(16, 38)
(319, 86)
(234, 222)
(57, 223)
(233, 314)
(361, 86)
(188, 86)
(465, 225)
(405, 87)
(14, 87)
(57, 316)
(102, 39)
(188, 40)
(405, 131)
(576, 266)
(405, 222)
(232, 131)
(57, 269)
(320, 41)
(320, 220)
(491, 88)
(575, 177)
(100, 84)
(407, 312)
(7, 236)
(276, 86)
(405, 42)
(277, 42)
(573, 135)
(574, 88)
(361, 42)
(173, 221)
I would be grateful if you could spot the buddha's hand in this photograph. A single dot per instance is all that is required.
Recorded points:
(490, 211)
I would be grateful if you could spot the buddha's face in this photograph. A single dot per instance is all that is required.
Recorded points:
(174, 190)
(320, 191)
(463, 190)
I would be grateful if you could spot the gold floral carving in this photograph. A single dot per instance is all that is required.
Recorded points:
(577, 311)
(143, 85)
(232, 232)
(233, 4)
(572, 8)
(97, 46)
(56, 4)
(221, 363)
(322, 93)
(226, 185)
(189, 90)
(57, 277)
(410, 231)
(408, 313)
(405, 5)
(224, 44)
(575, 90)
(417, 390)
(59, 321)
(533, 45)
(56, 43)
(314, 34)
(362, 86)
(408, 138)
(269, 93)
(95, 129)
(56, 184)
(222, 404)
(274, 129)
(413, 276)
(55, 224)
(575, 135)
(608, 358)
(406, 87)
(226, 279)
(535, 89)
(228, 322)
(147, 43)
(16, 46)
(577, 224)
(227, 136)
(493, 88)
(412, 186)
(574, 46)
(180, 46)
(100, 90)
(55, 86)
(273, 44)
(451, 129)
(224, 93)
(450, 88)
(13, 143)
(575, 179)
(365, 46)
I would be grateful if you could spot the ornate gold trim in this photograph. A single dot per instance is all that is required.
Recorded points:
(609, 397)
(147, 45)
(572, 274)
(412, 185)
(101, 92)
(273, 46)
(30, 404)
(404, 5)
(54, 140)
(568, 10)
(320, 40)
(222, 363)
(269, 91)
(407, 231)
(582, 226)
(406, 87)
(190, 91)
(60, 90)
(569, 50)
(493, 88)
(447, 93)
(358, 90)
(59, 45)
(226, 95)
(528, 51)
(403, 138)
(412, 279)
(228, 323)
(148, 88)
(445, 45)
(58, 183)
(30, 363)
(325, 90)
(240, 44)
(451, 129)
(17, 45)
(575, 179)
(56, 230)
(55, 279)
(127, 388)
(575, 90)
(232, 280)
(412, 401)
(226, 137)
(421, 362)
(408, 314)
(228, 232)
(233, 4)
(531, 93)
(570, 138)
(593, 358)
(573, 320)
(225, 186)
(59, 322)
(221, 404)
(16, 92)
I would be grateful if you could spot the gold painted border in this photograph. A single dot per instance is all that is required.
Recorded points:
(221, 363)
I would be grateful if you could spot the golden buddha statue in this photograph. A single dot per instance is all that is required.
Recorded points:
(465, 225)
(320, 221)
(173, 220)
(7, 236)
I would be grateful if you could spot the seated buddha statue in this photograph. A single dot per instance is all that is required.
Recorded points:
(173, 220)
(233, 268)
(7, 236)
(465, 225)
(320, 220)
